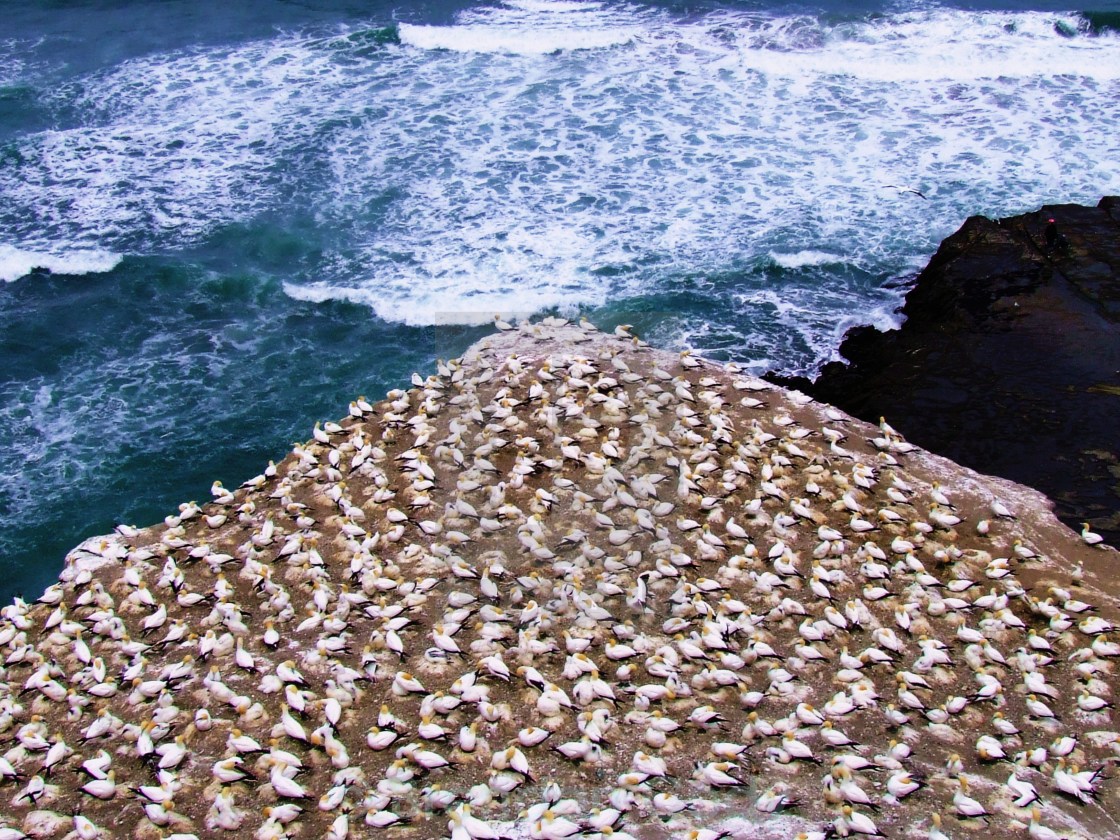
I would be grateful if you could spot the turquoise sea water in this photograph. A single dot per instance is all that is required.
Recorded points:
(221, 221)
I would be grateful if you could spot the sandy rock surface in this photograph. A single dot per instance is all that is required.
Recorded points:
(568, 584)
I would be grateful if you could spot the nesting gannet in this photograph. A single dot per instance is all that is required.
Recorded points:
(853, 821)
(1090, 537)
(964, 804)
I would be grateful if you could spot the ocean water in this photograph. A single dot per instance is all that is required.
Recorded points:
(222, 221)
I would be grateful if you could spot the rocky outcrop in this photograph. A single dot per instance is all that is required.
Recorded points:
(571, 584)
(1009, 358)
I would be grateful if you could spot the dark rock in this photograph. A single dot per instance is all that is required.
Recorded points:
(1009, 359)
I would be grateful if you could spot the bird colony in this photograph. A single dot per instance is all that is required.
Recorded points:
(570, 586)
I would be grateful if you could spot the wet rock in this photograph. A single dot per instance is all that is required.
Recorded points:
(1009, 359)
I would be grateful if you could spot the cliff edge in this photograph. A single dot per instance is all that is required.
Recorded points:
(1009, 358)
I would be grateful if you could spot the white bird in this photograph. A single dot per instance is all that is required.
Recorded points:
(854, 821)
(650, 765)
(288, 672)
(808, 715)
(1074, 784)
(1090, 537)
(903, 190)
(989, 749)
(1038, 831)
(1063, 746)
(383, 819)
(465, 826)
(381, 739)
(105, 788)
(85, 828)
(1037, 708)
(774, 799)
(1023, 792)
(530, 736)
(901, 785)
(964, 804)
(935, 832)
(717, 774)
(98, 766)
(1001, 510)
(798, 749)
(669, 803)
(285, 787)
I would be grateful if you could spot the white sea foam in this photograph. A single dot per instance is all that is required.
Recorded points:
(553, 5)
(806, 321)
(803, 259)
(79, 422)
(527, 28)
(46, 441)
(539, 154)
(16, 262)
(15, 62)
(457, 300)
(926, 45)
(509, 40)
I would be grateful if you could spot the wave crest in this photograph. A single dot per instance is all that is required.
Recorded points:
(16, 262)
(485, 39)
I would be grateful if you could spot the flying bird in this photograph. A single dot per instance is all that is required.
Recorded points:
(904, 189)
